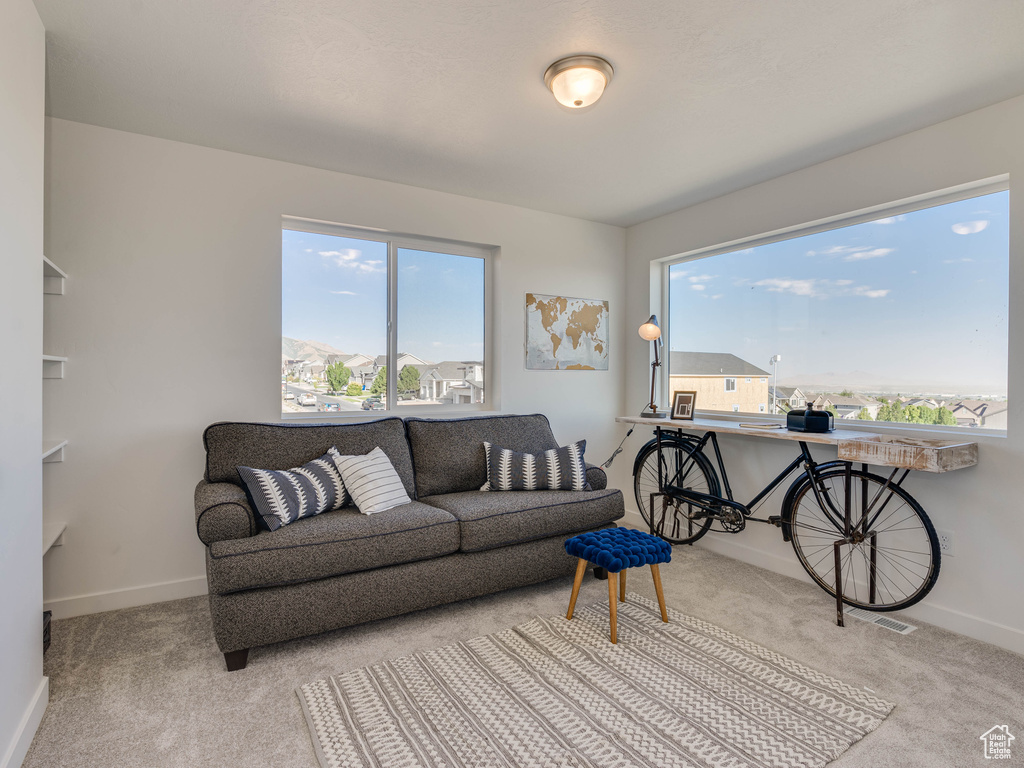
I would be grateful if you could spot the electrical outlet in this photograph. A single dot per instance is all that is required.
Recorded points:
(945, 542)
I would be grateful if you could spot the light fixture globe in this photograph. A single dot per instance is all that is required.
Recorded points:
(650, 330)
(578, 81)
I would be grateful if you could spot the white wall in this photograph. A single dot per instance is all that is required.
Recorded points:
(978, 589)
(172, 321)
(23, 690)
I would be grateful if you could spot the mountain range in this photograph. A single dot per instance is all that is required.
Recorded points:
(297, 349)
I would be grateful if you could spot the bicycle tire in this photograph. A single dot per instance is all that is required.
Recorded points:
(676, 522)
(907, 559)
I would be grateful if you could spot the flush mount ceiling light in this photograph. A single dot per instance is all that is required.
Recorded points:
(578, 81)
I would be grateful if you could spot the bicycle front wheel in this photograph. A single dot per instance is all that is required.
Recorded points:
(676, 521)
(892, 559)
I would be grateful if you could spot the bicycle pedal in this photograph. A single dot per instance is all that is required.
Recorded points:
(775, 520)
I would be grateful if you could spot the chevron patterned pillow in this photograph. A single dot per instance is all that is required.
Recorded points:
(560, 469)
(283, 496)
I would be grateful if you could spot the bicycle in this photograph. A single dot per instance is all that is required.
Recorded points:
(860, 536)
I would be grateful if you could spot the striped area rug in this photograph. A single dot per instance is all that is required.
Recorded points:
(553, 693)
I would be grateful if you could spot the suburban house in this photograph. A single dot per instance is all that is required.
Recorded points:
(235, 192)
(456, 382)
(723, 382)
(787, 398)
(848, 407)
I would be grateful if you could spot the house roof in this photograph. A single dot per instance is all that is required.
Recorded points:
(449, 370)
(784, 393)
(855, 401)
(711, 364)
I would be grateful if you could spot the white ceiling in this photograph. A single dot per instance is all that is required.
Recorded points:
(709, 96)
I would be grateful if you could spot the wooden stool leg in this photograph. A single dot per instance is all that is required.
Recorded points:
(622, 585)
(612, 608)
(580, 570)
(657, 588)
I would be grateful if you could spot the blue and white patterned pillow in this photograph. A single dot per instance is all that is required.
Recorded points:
(560, 469)
(283, 496)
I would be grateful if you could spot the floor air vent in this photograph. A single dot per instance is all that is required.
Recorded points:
(880, 620)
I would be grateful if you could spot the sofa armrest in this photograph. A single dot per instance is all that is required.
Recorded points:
(596, 477)
(223, 512)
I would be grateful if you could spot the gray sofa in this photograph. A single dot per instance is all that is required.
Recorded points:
(342, 568)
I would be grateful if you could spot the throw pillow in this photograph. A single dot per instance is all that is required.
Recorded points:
(372, 480)
(560, 469)
(283, 496)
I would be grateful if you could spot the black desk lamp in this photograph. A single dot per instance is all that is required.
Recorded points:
(651, 331)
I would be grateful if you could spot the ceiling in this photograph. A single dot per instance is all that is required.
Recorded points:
(709, 96)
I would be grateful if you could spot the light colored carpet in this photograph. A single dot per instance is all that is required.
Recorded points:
(147, 687)
(557, 693)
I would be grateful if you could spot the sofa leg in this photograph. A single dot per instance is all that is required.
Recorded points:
(236, 659)
(600, 573)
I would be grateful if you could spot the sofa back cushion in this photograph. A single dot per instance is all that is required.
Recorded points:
(449, 453)
(283, 446)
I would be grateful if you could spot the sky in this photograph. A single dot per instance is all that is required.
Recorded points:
(334, 290)
(910, 303)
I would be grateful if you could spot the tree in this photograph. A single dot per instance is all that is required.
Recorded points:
(832, 409)
(380, 382)
(409, 379)
(864, 415)
(945, 417)
(338, 376)
(846, 393)
(353, 390)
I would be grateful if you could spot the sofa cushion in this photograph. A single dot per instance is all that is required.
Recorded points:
(372, 481)
(449, 453)
(489, 520)
(331, 544)
(282, 446)
(560, 469)
(283, 496)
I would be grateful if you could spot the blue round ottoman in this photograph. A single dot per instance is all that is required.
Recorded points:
(615, 550)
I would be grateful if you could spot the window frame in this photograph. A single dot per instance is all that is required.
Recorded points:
(734, 384)
(660, 291)
(394, 242)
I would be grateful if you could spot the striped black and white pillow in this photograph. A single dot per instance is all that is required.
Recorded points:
(372, 480)
(283, 496)
(560, 469)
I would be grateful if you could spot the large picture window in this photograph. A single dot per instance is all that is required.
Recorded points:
(372, 322)
(899, 318)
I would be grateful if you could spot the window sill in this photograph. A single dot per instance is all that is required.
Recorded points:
(422, 411)
(879, 427)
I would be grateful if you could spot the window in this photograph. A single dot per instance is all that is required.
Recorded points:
(748, 379)
(736, 408)
(898, 314)
(730, 385)
(373, 322)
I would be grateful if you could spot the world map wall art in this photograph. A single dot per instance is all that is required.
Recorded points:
(566, 334)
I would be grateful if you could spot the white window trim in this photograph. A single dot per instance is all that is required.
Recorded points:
(733, 380)
(661, 266)
(396, 240)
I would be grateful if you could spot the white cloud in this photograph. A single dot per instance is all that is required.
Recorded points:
(675, 274)
(782, 285)
(874, 253)
(957, 261)
(698, 287)
(844, 282)
(890, 219)
(344, 293)
(718, 296)
(871, 293)
(701, 278)
(349, 254)
(970, 227)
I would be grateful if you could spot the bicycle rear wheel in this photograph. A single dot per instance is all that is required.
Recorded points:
(674, 520)
(893, 559)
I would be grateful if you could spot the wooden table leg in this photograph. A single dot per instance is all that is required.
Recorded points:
(622, 585)
(581, 568)
(612, 608)
(657, 588)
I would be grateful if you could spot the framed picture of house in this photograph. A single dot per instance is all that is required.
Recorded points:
(683, 404)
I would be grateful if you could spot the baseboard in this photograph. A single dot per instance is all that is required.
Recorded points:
(33, 716)
(1000, 635)
(97, 602)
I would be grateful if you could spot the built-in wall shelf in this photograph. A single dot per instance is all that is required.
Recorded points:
(53, 450)
(53, 278)
(53, 535)
(53, 366)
